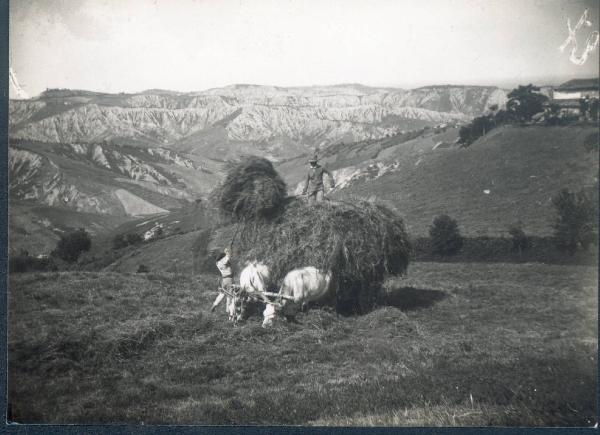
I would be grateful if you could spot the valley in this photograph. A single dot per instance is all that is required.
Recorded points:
(142, 157)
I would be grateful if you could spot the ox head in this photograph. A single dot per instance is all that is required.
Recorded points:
(254, 277)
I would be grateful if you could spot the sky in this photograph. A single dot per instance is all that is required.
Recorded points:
(192, 45)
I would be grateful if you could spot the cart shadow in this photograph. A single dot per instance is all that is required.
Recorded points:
(410, 298)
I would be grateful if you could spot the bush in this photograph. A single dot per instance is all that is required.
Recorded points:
(520, 241)
(120, 241)
(576, 220)
(25, 263)
(480, 126)
(142, 269)
(71, 245)
(525, 101)
(445, 236)
(133, 239)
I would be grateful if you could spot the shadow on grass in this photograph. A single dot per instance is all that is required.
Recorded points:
(410, 298)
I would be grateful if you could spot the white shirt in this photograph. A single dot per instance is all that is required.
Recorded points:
(225, 267)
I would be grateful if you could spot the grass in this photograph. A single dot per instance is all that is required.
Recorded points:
(521, 167)
(454, 344)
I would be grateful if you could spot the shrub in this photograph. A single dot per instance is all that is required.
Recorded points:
(25, 263)
(122, 240)
(142, 269)
(594, 109)
(133, 239)
(445, 236)
(576, 220)
(119, 241)
(71, 245)
(525, 101)
(482, 125)
(520, 241)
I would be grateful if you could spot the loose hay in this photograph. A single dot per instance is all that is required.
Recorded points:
(251, 190)
(360, 243)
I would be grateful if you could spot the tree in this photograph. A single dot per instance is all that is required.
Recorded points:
(133, 238)
(576, 220)
(525, 101)
(584, 107)
(71, 245)
(119, 241)
(480, 126)
(594, 109)
(445, 235)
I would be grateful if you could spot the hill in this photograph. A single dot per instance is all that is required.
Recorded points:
(272, 119)
(509, 175)
(37, 228)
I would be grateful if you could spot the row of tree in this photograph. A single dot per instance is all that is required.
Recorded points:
(523, 104)
(575, 227)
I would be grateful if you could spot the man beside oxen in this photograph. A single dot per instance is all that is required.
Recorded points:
(226, 289)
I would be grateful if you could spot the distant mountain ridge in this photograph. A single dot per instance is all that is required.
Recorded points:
(282, 121)
(100, 158)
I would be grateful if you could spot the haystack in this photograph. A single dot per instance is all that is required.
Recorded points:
(359, 242)
(252, 190)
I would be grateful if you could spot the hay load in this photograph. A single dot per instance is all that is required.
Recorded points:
(251, 190)
(360, 242)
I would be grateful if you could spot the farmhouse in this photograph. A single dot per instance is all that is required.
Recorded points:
(153, 232)
(568, 96)
(576, 89)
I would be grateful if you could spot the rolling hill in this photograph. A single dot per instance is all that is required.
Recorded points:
(126, 155)
(123, 157)
(55, 188)
(508, 176)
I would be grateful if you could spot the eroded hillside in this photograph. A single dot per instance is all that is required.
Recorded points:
(280, 122)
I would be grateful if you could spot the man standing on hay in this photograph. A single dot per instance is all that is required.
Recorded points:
(315, 180)
(224, 266)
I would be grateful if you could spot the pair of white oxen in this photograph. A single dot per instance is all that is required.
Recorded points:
(299, 287)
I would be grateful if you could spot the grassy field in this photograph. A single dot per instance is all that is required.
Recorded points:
(521, 168)
(454, 344)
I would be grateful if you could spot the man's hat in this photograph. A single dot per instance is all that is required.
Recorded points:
(314, 159)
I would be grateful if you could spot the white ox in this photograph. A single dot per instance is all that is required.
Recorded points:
(300, 286)
(254, 278)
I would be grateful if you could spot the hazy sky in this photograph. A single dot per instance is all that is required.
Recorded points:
(189, 45)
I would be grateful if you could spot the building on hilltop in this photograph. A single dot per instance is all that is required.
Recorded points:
(572, 96)
(154, 232)
(576, 89)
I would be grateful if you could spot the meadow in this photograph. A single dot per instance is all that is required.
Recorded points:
(451, 344)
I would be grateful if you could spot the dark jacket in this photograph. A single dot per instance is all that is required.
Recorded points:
(315, 179)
